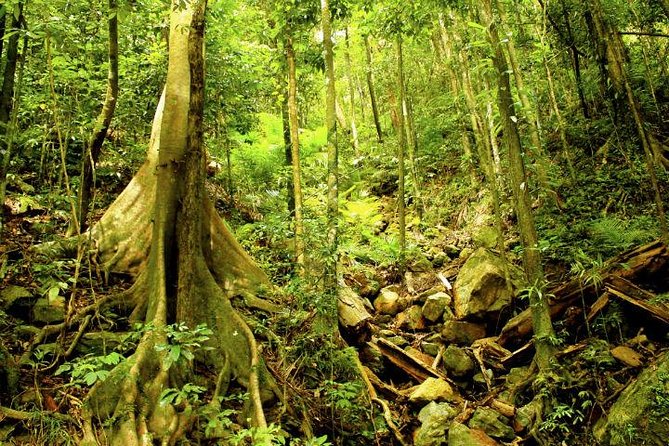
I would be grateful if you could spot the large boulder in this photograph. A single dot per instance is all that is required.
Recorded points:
(49, 310)
(434, 418)
(481, 287)
(639, 414)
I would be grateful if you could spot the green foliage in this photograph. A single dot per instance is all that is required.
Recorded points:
(189, 393)
(183, 342)
(562, 418)
(89, 369)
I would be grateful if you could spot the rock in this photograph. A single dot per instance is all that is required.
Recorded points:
(492, 423)
(420, 265)
(434, 389)
(448, 314)
(430, 348)
(49, 310)
(457, 361)
(17, 301)
(411, 319)
(461, 435)
(481, 287)
(463, 333)
(627, 356)
(434, 419)
(486, 237)
(639, 407)
(389, 302)
(434, 306)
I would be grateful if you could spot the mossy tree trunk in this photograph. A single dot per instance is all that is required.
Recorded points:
(401, 150)
(543, 328)
(163, 229)
(333, 155)
(372, 92)
(295, 154)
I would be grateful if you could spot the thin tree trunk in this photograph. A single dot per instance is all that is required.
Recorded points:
(612, 44)
(3, 20)
(333, 156)
(10, 133)
(576, 60)
(9, 75)
(351, 93)
(401, 150)
(412, 138)
(295, 155)
(288, 153)
(372, 92)
(92, 152)
(543, 328)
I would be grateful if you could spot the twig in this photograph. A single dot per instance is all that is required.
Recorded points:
(387, 415)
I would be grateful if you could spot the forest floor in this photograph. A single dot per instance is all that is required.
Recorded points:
(426, 361)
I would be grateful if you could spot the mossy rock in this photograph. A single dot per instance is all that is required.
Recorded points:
(639, 414)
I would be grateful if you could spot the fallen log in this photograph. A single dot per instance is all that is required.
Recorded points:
(644, 261)
(640, 298)
(410, 364)
(353, 316)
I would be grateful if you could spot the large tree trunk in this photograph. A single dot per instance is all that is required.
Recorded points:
(186, 263)
(543, 328)
(92, 151)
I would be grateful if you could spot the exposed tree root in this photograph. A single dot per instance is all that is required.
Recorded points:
(19, 415)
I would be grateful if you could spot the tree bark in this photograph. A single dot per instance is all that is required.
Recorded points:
(163, 229)
(92, 151)
(351, 93)
(295, 155)
(543, 328)
(9, 75)
(372, 92)
(401, 150)
(333, 159)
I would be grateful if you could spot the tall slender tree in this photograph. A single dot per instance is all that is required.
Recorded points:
(543, 328)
